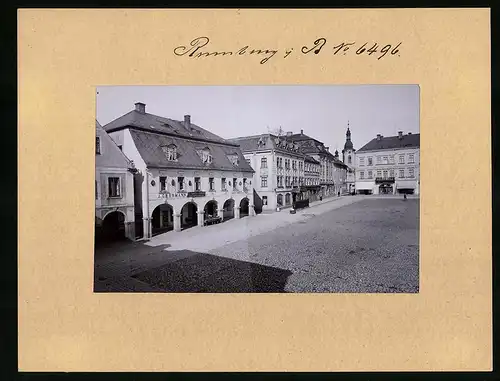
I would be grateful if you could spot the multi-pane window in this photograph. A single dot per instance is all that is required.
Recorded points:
(180, 181)
(411, 172)
(379, 159)
(385, 174)
(370, 174)
(370, 161)
(391, 159)
(385, 160)
(248, 161)
(411, 158)
(401, 173)
(361, 161)
(114, 187)
(235, 180)
(223, 183)
(263, 181)
(264, 200)
(197, 183)
(379, 173)
(211, 183)
(263, 162)
(97, 145)
(401, 159)
(349, 160)
(361, 174)
(391, 173)
(163, 183)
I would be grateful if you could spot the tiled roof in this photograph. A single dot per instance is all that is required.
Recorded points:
(339, 162)
(392, 142)
(150, 147)
(267, 141)
(158, 124)
(311, 159)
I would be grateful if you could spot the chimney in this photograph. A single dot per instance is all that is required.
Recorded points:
(187, 121)
(400, 135)
(379, 137)
(289, 133)
(140, 107)
(302, 132)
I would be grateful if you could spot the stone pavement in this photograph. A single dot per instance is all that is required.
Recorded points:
(116, 262)
(210, 237)
(251, 254)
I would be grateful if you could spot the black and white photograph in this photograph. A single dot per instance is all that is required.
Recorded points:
(257, 189)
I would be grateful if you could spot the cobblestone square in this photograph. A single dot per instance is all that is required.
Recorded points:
(352, 244)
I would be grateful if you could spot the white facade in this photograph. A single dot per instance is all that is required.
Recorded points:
(377, 170)
(172, 198)
(277, 175)
(114, 187)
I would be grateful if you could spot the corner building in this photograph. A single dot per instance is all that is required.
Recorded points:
(186, 175)
(389, 165)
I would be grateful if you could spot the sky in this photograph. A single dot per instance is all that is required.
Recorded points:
(322, 111)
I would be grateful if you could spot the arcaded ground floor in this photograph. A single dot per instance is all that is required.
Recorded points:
(360, 244)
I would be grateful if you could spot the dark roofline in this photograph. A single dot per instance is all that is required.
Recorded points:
(363, 149)
(201, 168)
(225, 142)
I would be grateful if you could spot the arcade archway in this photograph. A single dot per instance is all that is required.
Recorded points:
(228, 209)
(162, 219)
(244, 207)
(189, 217)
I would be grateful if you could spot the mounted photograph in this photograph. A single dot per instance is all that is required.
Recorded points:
(257, 189)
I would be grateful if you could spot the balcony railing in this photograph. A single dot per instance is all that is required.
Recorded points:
(384, 179)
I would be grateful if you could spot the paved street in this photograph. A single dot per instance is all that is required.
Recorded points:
(347, 244)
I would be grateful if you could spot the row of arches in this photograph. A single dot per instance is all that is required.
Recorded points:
(163, 215)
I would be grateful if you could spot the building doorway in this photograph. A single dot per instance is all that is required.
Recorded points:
(228, 209)
(162, 219)
(287, 199)
(210, 209)
(386, 189)
(113, 227)
(244, 207)
(280, 200)
(189, 216)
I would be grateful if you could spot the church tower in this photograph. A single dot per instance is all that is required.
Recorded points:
(349, 158)
(348, 153)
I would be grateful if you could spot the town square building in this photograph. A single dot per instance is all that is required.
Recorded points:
(279, 170)
(311, 184)
(389, 165)
(186, 175)
(328, 163)
(114, 190)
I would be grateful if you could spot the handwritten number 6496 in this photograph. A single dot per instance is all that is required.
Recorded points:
(373, 49)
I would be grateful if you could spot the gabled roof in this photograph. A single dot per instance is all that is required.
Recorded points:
(159, 124)
(150, 146)
(392, 142)
(111, 155)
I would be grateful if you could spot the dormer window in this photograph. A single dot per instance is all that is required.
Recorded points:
(205, 155)
(234, 159)
(170, 151)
